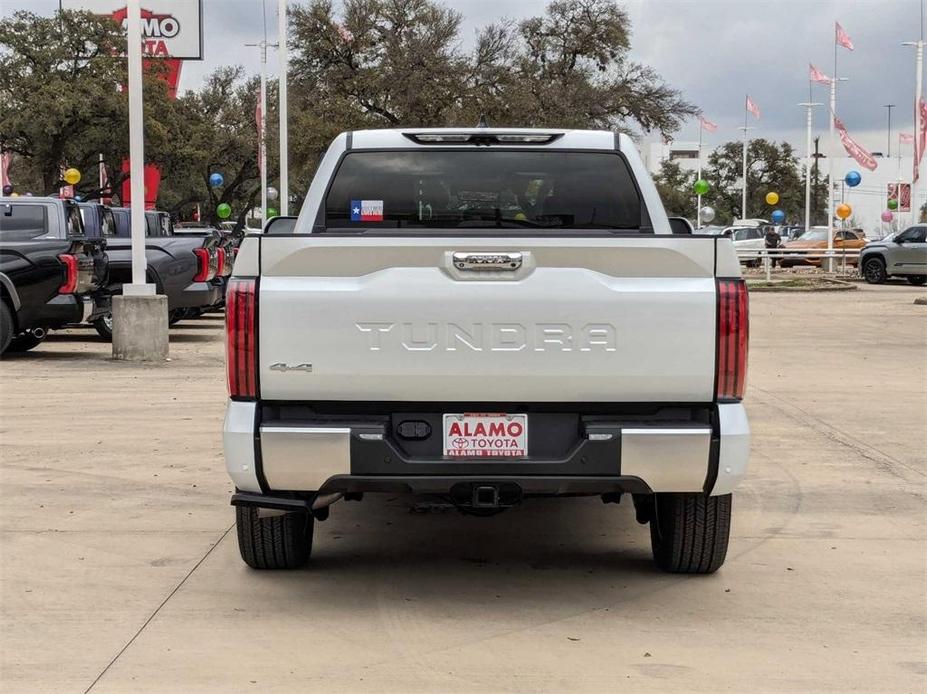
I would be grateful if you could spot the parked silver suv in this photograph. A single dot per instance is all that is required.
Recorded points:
(901, 255)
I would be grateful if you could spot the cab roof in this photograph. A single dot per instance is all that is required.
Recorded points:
(547, 138)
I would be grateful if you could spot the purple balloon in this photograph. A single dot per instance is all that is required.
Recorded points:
(887, 216)
(7, 189)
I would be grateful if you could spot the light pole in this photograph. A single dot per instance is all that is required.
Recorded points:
(888, 151)
(139, 315)
(809, 116)
(918, 95)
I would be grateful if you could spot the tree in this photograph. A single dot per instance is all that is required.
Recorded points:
(771, 167)
(59, 84)
(675, 186)
(217, 134)
(390, 63)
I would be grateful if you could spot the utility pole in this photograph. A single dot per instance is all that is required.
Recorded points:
(817, 171)
(888, 150)
(262, 125)
(282, 106)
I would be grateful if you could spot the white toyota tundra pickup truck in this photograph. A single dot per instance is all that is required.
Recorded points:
(484, 316)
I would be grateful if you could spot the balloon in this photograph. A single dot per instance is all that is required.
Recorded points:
(852, 179)
(844, 211)
(887, 216)
(78, 198)
(272, 193)
(216, 179)
(778, 216)
(28, 195)
(772, 198)
(706, 214)
(701, 186)
(14, 195)
(7, 189)
(224, 210)
(892, 204)
(272, 212)
(72, 177)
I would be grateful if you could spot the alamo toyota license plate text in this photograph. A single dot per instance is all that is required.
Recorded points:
(472, 435)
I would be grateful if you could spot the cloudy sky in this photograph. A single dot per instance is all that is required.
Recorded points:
(714, 51)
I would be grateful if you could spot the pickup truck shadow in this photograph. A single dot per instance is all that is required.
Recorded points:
(576, 536)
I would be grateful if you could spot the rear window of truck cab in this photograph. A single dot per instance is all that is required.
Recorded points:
(485, 188)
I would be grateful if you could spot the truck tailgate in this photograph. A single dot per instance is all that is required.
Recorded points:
(617, 319)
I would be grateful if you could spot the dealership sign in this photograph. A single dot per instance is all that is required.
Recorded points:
(170, 28)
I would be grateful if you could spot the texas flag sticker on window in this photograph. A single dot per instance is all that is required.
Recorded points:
(366, 210)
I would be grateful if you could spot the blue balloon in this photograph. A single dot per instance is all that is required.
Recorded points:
(778, 216)
(216, 180)
(852, 179)
(78, 198)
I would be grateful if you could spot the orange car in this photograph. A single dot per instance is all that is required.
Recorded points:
(816, 239)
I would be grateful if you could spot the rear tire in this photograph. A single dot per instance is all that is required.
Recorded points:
(917, 280)
(275, 542)
(689, 532)
(104, 326)
(6, 326)
(175, 316)
(874, 270)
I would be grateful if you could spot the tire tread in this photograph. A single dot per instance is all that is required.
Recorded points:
(690, 532)
(275, 542)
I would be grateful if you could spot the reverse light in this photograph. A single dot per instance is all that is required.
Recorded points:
(733, 340)
(69, 286)
(241, 338)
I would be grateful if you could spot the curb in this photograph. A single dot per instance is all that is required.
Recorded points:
(828, 285)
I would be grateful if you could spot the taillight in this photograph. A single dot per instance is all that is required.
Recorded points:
(733, 327)
(220, 262)
(241, 338)
(202, 264)
(69, 286)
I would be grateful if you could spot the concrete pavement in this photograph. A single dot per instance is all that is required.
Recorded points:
(118, 572)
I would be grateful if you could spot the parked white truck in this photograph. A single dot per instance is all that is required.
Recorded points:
(485, 315)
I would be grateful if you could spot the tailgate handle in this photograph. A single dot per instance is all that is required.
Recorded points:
(487, 261)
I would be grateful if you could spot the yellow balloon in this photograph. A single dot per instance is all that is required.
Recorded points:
(14, 195)
(772, 198)
(72, 176)
(844, 211)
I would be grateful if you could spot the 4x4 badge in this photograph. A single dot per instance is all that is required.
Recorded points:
(280, 366)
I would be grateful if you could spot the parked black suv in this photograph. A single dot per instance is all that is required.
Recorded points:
(51, 273)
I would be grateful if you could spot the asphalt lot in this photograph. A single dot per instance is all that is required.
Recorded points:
(119, 570)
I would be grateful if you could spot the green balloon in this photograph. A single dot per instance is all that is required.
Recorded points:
(701, 186)
(224, 210)
(272, 212)
(892, 204)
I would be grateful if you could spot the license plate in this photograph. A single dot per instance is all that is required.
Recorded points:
(472, 435)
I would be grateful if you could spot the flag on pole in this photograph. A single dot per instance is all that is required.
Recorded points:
(863, 157)
(843, 38)
(707, 125)
(752, 107)
(816, 75)
(920, 140)
(258, 119)
(905, 139)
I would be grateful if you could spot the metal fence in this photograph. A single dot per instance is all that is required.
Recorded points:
(845, 260)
